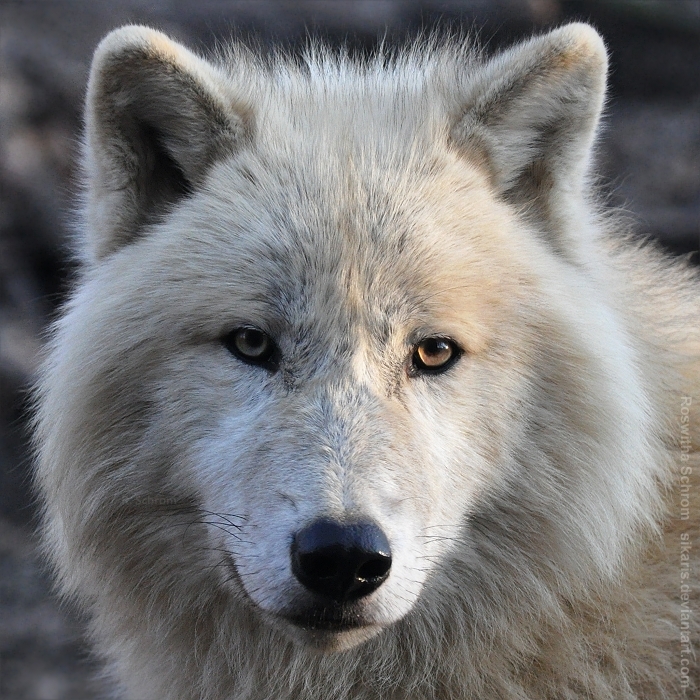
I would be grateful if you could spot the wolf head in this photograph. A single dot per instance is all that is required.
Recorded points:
(337, 356)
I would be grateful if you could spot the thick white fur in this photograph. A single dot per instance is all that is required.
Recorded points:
(350, 209)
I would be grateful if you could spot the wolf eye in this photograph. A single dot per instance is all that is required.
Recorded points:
(253, 346)
(434, 355)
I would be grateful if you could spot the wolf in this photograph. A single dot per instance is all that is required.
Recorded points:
(362, 392)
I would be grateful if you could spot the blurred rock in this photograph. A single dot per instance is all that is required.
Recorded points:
(652, 151)
(42, 654)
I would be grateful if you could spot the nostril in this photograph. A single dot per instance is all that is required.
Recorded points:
(341, 561)
(375, 568)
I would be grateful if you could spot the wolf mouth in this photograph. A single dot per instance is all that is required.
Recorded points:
(329, 620)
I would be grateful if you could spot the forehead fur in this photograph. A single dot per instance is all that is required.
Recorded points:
(395, 89)
(390, 251)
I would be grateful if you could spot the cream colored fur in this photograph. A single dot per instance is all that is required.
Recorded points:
(350, 209)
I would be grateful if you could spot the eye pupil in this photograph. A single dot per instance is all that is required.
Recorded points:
(251, 342)
(251, 345)
(434, 354)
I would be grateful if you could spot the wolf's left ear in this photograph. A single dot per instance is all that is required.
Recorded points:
(157, 118)
(531, 113)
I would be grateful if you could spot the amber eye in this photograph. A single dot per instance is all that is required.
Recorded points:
(434, 355)
(253, 346)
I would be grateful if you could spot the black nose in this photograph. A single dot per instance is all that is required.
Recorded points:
(342, 562)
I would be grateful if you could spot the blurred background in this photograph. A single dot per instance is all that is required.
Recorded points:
(649, 157)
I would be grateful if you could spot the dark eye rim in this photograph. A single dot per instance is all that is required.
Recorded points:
(270, 360)
(416, 365)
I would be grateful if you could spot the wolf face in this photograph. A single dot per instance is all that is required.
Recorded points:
(344, 421)
(341, 418)
(339, 357)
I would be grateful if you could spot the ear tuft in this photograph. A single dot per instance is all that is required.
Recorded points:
(584, 41)
(157, 118)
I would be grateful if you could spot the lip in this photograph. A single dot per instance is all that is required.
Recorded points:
(328, 620)
(327, 635)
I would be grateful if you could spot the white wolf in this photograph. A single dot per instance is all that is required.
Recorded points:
(358, 394)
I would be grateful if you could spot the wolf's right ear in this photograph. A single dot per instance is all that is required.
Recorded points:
(157, 118)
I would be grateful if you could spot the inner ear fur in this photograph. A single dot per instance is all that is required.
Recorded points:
(157, 118)
(530, 118)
